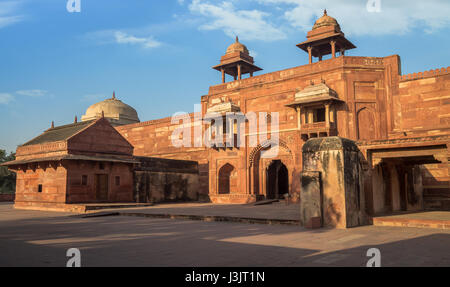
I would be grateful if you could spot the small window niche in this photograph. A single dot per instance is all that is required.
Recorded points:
(84, 180)
(40, 188)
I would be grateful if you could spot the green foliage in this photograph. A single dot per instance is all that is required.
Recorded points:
(7, 178)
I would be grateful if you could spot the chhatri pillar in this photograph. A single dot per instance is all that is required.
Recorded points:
(236, 62)
(325, 38)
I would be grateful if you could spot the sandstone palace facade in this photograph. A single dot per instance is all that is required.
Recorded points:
(356, 137)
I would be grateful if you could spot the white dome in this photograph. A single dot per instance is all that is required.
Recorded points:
(114, 110)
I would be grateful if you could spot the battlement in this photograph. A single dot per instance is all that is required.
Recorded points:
(426, 74)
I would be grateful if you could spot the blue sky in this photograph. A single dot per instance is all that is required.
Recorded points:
(157, 55)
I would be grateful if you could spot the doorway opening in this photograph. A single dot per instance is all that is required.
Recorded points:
(277, 180)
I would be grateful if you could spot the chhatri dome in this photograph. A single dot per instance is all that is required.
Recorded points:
(236, 62)
(237, 47)
(114, 110)
(325, 20)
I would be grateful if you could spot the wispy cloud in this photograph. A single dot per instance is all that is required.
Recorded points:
(145, 42)
(247, 24)
(5, 98)
(108, 37)
(9, 14)
(32, 93)
(395, 17)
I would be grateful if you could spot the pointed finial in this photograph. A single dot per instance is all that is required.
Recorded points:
(114, 94)
(103, 114)
(76, 120)
(237, 39)
(53, 124)
(325, 12)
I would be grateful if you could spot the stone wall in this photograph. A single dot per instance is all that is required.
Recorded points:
(120, 181)
(154, 139)
(423, 104)
(53, 181)
(165, 180)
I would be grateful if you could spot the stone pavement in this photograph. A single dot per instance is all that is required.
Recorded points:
(35, 238)
(425, 219)
(277, 212)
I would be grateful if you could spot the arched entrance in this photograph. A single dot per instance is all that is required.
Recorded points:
(225, 174)
(277, 180)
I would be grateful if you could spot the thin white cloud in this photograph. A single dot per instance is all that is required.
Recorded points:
(8, 13)
(107, 37)
(145, 42)
(395, 17)
(5, 98)
(32, 93)
(247, 24)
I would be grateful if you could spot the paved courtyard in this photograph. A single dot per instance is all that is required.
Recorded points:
(34, 238)
(276, 210)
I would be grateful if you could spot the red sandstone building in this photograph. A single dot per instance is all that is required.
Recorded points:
(398, 126)
(81, 162)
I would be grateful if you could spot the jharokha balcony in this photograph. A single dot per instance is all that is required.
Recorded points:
(318, 129)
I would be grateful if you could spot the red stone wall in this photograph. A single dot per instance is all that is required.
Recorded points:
(79, 193)
(423, 103)
(153, 139)
(53, 181)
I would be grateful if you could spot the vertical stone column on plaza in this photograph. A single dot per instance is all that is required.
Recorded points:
(332, 184)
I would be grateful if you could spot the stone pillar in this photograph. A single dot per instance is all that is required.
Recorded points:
(327, 115)
(310, 116)
(320, 57)
(299, 119)
(239, 72)
(333, 48)
(342, 52)
(223, 76)
(333, 114)
(310, 54)
(251, 74)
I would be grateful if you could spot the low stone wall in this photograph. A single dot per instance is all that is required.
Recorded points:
(166, 180)
(7, 197)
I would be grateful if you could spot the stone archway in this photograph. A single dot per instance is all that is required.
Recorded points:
(225, 179)
(258, 166)
(277, 180)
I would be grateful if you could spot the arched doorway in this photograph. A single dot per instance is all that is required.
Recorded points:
(277, 180)
(225, 174)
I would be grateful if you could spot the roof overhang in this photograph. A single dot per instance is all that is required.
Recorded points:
(69, 157)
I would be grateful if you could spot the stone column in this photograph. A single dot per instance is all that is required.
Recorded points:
(239, 72)
(310, 116)
(327, 115)
(333, 48)
(310, 54)
(342, 52)
(251, 74)
(223, 76)
(299, 119)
